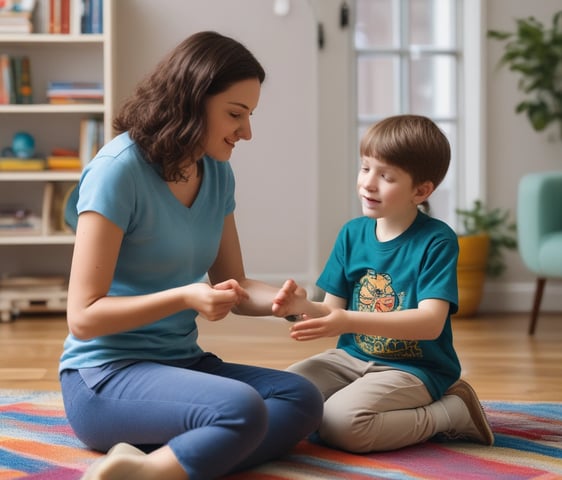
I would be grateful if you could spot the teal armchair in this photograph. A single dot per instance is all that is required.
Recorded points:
(539, 230)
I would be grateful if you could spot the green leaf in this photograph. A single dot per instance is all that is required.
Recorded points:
(496, 223)
(534, 53)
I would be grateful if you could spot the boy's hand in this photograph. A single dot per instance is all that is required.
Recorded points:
(331, 325)
(289, 301)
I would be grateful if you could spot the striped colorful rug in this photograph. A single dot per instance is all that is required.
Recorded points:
(36, 442)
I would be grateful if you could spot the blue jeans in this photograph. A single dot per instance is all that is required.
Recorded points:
(217, 417)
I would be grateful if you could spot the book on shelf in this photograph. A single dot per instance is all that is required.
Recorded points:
(83, 87)
(64, 152)
(91, 138)
(74, 16)
(24, 93)
(31, 227)
(16, 16)
(65, 16)
(33, 282)
(75, 100)
(75, 92)
(15, 79)
(92, 19)
(5, 79)
(21, 164)
(60, 162)
(64, 159)
(55, 8)
(9, 27)
(61, 15)
(13, 215)
(55, 199)
(18, 221)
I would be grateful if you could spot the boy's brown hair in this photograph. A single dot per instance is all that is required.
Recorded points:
(413, 143)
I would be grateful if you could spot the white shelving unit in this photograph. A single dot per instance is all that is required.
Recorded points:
(53, 57)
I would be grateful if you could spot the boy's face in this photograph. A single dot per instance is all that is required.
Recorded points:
(387, 191)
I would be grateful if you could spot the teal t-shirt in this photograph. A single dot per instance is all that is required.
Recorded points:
(165, 245)
(375, 276)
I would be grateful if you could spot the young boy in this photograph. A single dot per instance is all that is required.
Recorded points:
(391, 288)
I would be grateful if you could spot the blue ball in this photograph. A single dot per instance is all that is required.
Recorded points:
(23, 145)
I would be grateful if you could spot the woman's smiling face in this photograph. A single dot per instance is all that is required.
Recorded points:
(228, 118)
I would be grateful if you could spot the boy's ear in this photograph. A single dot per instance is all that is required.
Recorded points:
(423, 191)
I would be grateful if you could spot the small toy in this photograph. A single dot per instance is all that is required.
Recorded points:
(23, 145)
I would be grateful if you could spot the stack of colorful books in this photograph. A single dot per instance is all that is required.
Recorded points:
(18, 221)
(75, 92)
(64, 159)
(15, 16)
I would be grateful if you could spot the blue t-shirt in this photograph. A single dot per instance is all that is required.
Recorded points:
(165, 245)
(375, 276)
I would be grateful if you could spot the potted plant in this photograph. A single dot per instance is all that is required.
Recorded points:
(486, 235)
(535, 53)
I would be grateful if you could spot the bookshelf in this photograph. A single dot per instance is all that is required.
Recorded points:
(54, 57)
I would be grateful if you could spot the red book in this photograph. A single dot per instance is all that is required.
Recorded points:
(65, 16)
(55, 16)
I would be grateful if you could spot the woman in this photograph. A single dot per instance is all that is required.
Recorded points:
(153, 216)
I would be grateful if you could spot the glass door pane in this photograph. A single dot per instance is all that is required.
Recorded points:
(432, 22)
(408, 61)
(433, 83)
(376, 22)
(378, 86)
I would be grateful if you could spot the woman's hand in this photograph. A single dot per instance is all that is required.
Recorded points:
(214, 302)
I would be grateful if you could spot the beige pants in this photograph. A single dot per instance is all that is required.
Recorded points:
(368, 407)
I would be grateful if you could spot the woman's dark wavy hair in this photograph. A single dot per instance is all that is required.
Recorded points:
(165, 115)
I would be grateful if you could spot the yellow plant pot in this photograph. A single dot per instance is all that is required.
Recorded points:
(471, 272)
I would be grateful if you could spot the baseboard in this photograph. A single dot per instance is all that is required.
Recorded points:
(519, 296)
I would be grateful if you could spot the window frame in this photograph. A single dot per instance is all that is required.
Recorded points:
(468, 183)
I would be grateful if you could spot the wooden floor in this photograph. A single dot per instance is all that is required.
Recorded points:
(498, 357)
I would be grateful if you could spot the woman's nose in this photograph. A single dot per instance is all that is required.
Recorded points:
(245, 131)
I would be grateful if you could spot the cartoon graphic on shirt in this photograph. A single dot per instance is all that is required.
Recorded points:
(374, 293)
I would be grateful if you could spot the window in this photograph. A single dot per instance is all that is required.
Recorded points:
(409, 59)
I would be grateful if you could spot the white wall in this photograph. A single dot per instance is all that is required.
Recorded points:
(295, 178)
(337, 129)
(285, 227)
(514, 149)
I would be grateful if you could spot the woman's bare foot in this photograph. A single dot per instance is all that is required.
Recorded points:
(125, 462)
(105, 465)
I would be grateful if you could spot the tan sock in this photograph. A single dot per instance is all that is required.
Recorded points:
(456, 411)
(445, 409)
